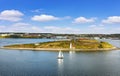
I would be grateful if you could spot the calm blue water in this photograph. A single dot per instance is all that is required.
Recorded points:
(45, 63)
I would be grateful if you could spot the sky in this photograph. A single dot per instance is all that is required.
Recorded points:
(60, 16)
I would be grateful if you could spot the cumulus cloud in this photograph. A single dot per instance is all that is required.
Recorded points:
(83, 20)
(11, 15)
(43, 18)
(112, 19)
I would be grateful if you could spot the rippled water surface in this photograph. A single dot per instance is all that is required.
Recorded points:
(45, 63)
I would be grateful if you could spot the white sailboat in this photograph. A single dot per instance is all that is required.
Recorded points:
(60, 55)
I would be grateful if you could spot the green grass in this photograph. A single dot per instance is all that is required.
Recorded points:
(78, 44)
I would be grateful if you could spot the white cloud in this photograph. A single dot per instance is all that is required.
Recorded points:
(83, 20)
(11, 15)
(43, 18)
(2, 27)
(54, 29)
(26, 27)
(20, 24)
(97, 27)
(20, 27)
(37, 10)
(101, 25)
(92, 26)
(112, 19)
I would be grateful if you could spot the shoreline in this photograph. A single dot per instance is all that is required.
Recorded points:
(64, 49)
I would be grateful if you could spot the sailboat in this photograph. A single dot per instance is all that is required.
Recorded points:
(60, 55)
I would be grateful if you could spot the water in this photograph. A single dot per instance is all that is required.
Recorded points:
(45, 63)
(21, 41)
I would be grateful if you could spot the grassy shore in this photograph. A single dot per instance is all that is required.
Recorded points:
(77, 45)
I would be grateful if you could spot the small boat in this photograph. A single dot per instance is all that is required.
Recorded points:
(60, 55)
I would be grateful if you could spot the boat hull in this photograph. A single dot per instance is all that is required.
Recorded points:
(60, 57)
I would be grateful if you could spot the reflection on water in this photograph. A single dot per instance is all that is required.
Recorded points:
(71, 54)
(60, 67)
(71, 51)
(60, 62)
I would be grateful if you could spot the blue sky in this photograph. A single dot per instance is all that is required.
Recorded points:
(60, 16)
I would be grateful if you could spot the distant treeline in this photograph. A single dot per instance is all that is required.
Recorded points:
(52, 35)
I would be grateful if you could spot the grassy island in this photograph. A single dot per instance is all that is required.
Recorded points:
(77, 45)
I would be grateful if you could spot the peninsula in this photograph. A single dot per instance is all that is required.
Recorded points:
(64, 45)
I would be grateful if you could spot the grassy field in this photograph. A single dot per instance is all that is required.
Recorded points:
(77, 44)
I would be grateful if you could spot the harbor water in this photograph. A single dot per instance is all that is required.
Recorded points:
(45, 63)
